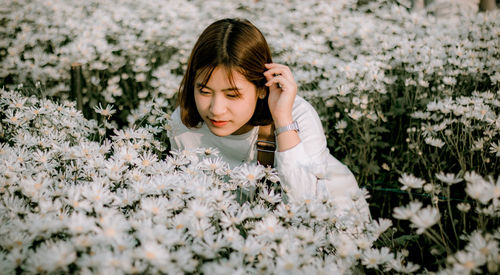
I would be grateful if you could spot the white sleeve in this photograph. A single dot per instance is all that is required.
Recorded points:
(309, 170)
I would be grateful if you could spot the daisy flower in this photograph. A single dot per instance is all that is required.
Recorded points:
(448, 178)
(247, 175)
(410, 182)
(106, 112)
(468, 262)
(480, 190)
(154, 253)
(268, 227)
(373, 257)
(495, 148)
(214, 165)
(425, 218)
(198, 209)
(80, 223)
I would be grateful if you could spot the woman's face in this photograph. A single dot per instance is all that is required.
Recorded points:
(224, 110)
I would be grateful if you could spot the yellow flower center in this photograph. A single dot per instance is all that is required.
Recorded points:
(150, 255)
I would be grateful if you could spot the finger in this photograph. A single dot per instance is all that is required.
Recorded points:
(276, 66)
(273, 65)
(284, 71)
(281, 80)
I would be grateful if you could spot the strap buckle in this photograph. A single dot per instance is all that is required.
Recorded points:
(266, 146)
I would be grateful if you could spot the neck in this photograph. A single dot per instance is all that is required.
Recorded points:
(244, 129)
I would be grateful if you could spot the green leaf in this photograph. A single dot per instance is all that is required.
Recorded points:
(405, 239)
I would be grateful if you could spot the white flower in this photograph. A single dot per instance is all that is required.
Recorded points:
(199, 209)
(97, 192)
(406, 212)
(487, 247)
(355, 114)
(379, 226)
(469, 261)
(288, 264)
(436, 142)
(425, 218)
(480, 190)
(449, 80)
(495, 149)
(464, 207)
(15, 205)
(181, 222)
(344, 245)
(269, 227)
(51, 256)
(154, 206)
(269, 196)
(247, 175)
(373, 257)
(340, 126)
(215, 165)
(113, 224)
(106, 112)
(421, 115)
(154, 253)
(127, 154)
(410, 182)
(80, 223)
(448, 178)
(16, 118)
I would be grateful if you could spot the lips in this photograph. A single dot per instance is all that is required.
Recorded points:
(218, 123)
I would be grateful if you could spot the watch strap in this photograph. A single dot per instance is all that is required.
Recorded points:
(292, 126)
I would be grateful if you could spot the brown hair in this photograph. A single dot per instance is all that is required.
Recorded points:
(235, 44)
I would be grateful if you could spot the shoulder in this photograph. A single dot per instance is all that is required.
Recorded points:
(177, 128)
(182, 137)
(302, 107)
(175, 122)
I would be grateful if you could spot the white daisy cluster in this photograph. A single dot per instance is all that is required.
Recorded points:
(344, 51)
(72, 199)
(469, 126)
(70, 204)
(363, 64)
(482, 246)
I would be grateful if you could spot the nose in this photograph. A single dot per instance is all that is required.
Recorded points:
(218, 105)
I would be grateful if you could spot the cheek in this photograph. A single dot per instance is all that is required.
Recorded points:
(198, 100)
(249, 107)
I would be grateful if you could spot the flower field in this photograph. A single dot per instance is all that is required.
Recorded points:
(409, 100)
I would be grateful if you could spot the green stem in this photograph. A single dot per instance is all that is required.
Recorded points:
(435, 239)
(451, 213)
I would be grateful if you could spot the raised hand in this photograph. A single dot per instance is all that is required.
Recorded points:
(282, 92)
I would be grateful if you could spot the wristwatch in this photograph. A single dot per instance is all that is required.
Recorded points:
(292, 126)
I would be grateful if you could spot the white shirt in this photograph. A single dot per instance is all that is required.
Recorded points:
(306, 170)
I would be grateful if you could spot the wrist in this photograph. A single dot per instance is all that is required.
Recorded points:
(294, 126)
(282, 121)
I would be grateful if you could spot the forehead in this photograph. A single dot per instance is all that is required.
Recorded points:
(219, 77)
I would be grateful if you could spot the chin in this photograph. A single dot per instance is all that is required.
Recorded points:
(220, 132)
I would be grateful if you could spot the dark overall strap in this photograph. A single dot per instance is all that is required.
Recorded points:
(266, 145)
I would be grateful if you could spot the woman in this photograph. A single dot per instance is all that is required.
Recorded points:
(231, 90)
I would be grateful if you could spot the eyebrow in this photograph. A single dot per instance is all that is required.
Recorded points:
(199, 85)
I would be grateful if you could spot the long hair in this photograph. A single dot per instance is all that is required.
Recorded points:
(235, 44)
